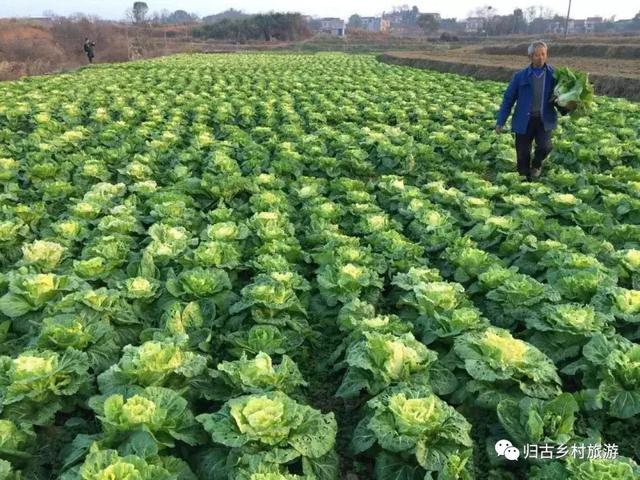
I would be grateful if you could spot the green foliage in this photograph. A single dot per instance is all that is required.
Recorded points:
(272, 428)
(236, 266)
(573, 87)
(413, 420)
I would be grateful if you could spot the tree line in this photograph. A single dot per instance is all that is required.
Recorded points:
(267, 27)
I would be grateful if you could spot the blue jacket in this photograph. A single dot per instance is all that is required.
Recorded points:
(520, 92)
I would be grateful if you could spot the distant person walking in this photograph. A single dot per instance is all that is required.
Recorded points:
(531, 89)
(88, 49)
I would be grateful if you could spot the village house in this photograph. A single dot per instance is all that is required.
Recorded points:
(375, 24)
(473, 25)
(591, 24)
(573, 26)
(332, 26)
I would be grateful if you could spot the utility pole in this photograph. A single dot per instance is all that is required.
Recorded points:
(566, 22)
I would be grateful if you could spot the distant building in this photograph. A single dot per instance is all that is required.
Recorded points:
(558, 26)
(626, 25)
(402, 17)
(591, 24)
(449, 24)
(473, 25)
(332, 26)
(403, 23)
(394, 18)
(375, 24)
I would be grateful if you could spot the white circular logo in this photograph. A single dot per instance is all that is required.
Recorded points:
(501, 446)
(512, 453)
(504, 448)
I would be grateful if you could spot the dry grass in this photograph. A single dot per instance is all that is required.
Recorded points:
(37, 47)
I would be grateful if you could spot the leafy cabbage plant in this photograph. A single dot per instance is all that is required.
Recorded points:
(162, 363)
(31, 292)
(621, 468)
(411, 420)
(45, 255)
(147, 422)
(277, 298)
(532, 420)
(37, 384)
(624, 305)
(109, 465)
(379, 360)
(83, 333)
(502, 366)
(357, 317)
(610, 367)
(561, 330)
(18, 448)
(255, 375)
(263, 338)
(272, 428)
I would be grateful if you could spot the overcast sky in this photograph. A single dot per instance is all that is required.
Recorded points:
(114, 9)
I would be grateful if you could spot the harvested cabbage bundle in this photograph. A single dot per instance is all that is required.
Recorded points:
(573, 91)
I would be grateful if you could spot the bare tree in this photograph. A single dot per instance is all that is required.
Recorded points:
(486, 12)
(400, 8)
(128, 15)
(547, 13)
(530, 13)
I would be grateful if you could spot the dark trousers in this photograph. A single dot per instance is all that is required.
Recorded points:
(535, 130)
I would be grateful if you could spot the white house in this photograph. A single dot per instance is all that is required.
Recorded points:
(375, 24)
(332, 26)
(591, 23)
(474, 25)
(573, 26)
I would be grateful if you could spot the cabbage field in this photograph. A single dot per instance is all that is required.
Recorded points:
(270, 267)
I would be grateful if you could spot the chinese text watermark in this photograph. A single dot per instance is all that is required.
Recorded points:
(545, 451)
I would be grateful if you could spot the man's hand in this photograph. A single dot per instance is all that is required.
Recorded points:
(499, 128)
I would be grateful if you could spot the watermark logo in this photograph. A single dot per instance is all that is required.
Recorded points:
(504, 448)
(608, 451)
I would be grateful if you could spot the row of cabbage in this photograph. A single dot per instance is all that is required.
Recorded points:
(172, 261)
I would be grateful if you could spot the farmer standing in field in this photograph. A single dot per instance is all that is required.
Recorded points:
(531, 89)
(88, 49)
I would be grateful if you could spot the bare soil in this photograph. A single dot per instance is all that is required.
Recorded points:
(592, 50)
(610, 76)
